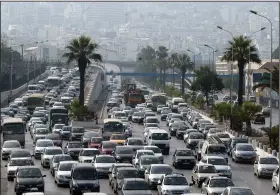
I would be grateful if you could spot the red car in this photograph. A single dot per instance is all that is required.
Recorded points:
(95, 142)
(107, 147)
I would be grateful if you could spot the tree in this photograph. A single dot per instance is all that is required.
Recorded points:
(241, 47)
(273, 136)
(275, 54)
(82, 50)
(184, 64)
(206, 81)
(162, 63)
(173, 60)
(265, 80)
(221, 111)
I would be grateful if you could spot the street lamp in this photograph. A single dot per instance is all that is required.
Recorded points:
(270, 80)
(11, 72)
(231, 66)
(214, 51)
(249, 63)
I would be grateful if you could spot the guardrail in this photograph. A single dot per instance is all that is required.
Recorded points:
(17, 92)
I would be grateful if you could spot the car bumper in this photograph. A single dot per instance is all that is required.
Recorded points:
(37, 155)
(28, 189)
(245, 159)
(266, 173)
(78, 191)
(103, 172)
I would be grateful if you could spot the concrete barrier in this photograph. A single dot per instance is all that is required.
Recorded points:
(17, 92)
(95, 90)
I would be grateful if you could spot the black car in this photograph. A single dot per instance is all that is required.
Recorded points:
(123, 153)
(259, 119)
(84, 178)
(20, 153)
(73, 148)
(181, 131)
(164, 114)
(87, 137)
(27, 178)
(183, 158)
(77, 133)
(56, 138)
(66, 132)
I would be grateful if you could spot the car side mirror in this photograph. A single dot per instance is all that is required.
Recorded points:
(149, 137)
(6, 165)
(195, 171)
(256, 162)
(159, 182)
(43, 175)
(146, 172)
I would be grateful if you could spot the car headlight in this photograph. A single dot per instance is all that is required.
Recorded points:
(167, 191)
(118, 157)
(61, 176)
(40, 185)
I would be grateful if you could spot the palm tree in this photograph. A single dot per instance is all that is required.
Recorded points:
(241, 47)
(173, 60)
(82, 50)
(265, 80)
(184, 64)
(161, 63)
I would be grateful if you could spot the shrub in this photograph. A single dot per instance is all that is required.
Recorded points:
(78, 111)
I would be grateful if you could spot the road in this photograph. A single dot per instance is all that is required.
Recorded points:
(242, 173)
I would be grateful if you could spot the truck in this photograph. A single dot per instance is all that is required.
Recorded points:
(58, 115)
(133, 96)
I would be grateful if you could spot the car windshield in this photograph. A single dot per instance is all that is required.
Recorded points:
(152, 125)
(184, 153)
(154, 149)
(53, 137)
(75, 145)
(220, 183)
(21, 162)
(113, 127)
(66, 128)
(149, 161)
(136, 185)
(118, 137)
(160, 136)
(124, 150)
(90, 134)
(165, 111)
(161, 170)
(127, 174)
(244, 147)
(151, 120)
(216, 161)
(175, 181)
(105, 159)
(78, 130)
(207, 169)
(135, 142)
(96, 140)
(216, 149)
(65, 166)
(241, 191)
(11, 145)
(13, 128)
(109, 145)
(38, 114)
(196, 136)
(59, 158)
(20, 154)
(85, 174)
(29, 173)
(53, 151)
(223, 135)
(90, 152)
(120, 114)
(44, 143)
(273, 161)
(42, 131)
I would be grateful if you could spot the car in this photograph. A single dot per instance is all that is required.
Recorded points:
(113, 170)
(28, 177)
(163, 114)
(183, 158)
(259, 119)
(220, 163)
(216, 185)
(265, 166)
(84, 178)
(77, 133)
(95, 142)
(66, 132)
(56, 138)
(136, 116)
(173, 183)
(87, 154)
(8, 146)
(133, 186)
(121, 174)
(123, 154)
(238, 190)
(73, 148)
(40, 145)
(173, 127)
(193, 139)
(187, 132)
(118, 138)
(103, 163)
(244, 153)
(144, 162)
(233, 141)
(266, 112)
(275, 180)
(56, 159)
(57, 128)
(48, 153)
(40, 133)
(201, 172)
(107, 147)
(63, 173)
(154, 173)
(14, 163)
(139, 153)
(157, 152)
(20, 153)
(135, 143)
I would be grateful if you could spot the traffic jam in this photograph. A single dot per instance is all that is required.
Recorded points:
(147, 144)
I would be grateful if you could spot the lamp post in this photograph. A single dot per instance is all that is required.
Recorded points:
(213, 50)
(11, 72)
(194, 55)
(249, 64)
(270, 80)
(231, 66)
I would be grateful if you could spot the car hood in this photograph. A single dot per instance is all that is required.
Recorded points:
(216, 190)
(9, 150)
(47, 156)
(125, 155)
(156, 176)
(205, 175)
(137, 192)
(82, 158)
(12, 168)
(247, 153)
(268, 166)
(176, 187)
(40, 148)
(74, 149)
(64, 173)
(103, 165)
(222, 167)
(185, 157)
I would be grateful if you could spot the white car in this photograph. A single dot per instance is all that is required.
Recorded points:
(63, 173)
(47, 155)
(156, 150)
(155, 172)
(103, 163)
(87, 154)
(8, 147)
(173, 184)
(147, 129)
(57, 128)
(140, 153)
(41, 144)
(14, 163)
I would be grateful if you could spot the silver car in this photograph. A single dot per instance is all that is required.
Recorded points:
(8, 147)
(63, 173)
(14, 163)
(173, 184)
(221, 165)
(244, 153)
(41, 144)
(154, 173)
(48, 154)
(103, 163)
(201, 172)
(264, 166)
(40, 133)
(216, 185)
(132, 186)
(56, 159)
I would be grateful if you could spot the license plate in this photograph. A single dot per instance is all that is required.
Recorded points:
(186, 163)
(84, 191)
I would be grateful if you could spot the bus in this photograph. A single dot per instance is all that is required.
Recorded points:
(112, 126)
(158, 99)
(58, 115)
(13, 129)
(35, 100)
(53, 81)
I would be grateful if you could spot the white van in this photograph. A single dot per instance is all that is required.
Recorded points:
(33, 89)
(182, 106)
(174, 103)
(159, 138)
(213, 147)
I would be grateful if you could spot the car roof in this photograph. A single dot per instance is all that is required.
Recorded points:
(205, 164)
(126, 168)
(217, 157)
(160, 165)
(67, 162)
(133, 179)
(122, 164)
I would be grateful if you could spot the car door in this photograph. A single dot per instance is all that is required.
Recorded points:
(205, 185)
(195, 175)
(275, 177)
(66, 148)
(147, 173)
(255, 167)
(159, 187)
(174, 156)
(42, 154)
